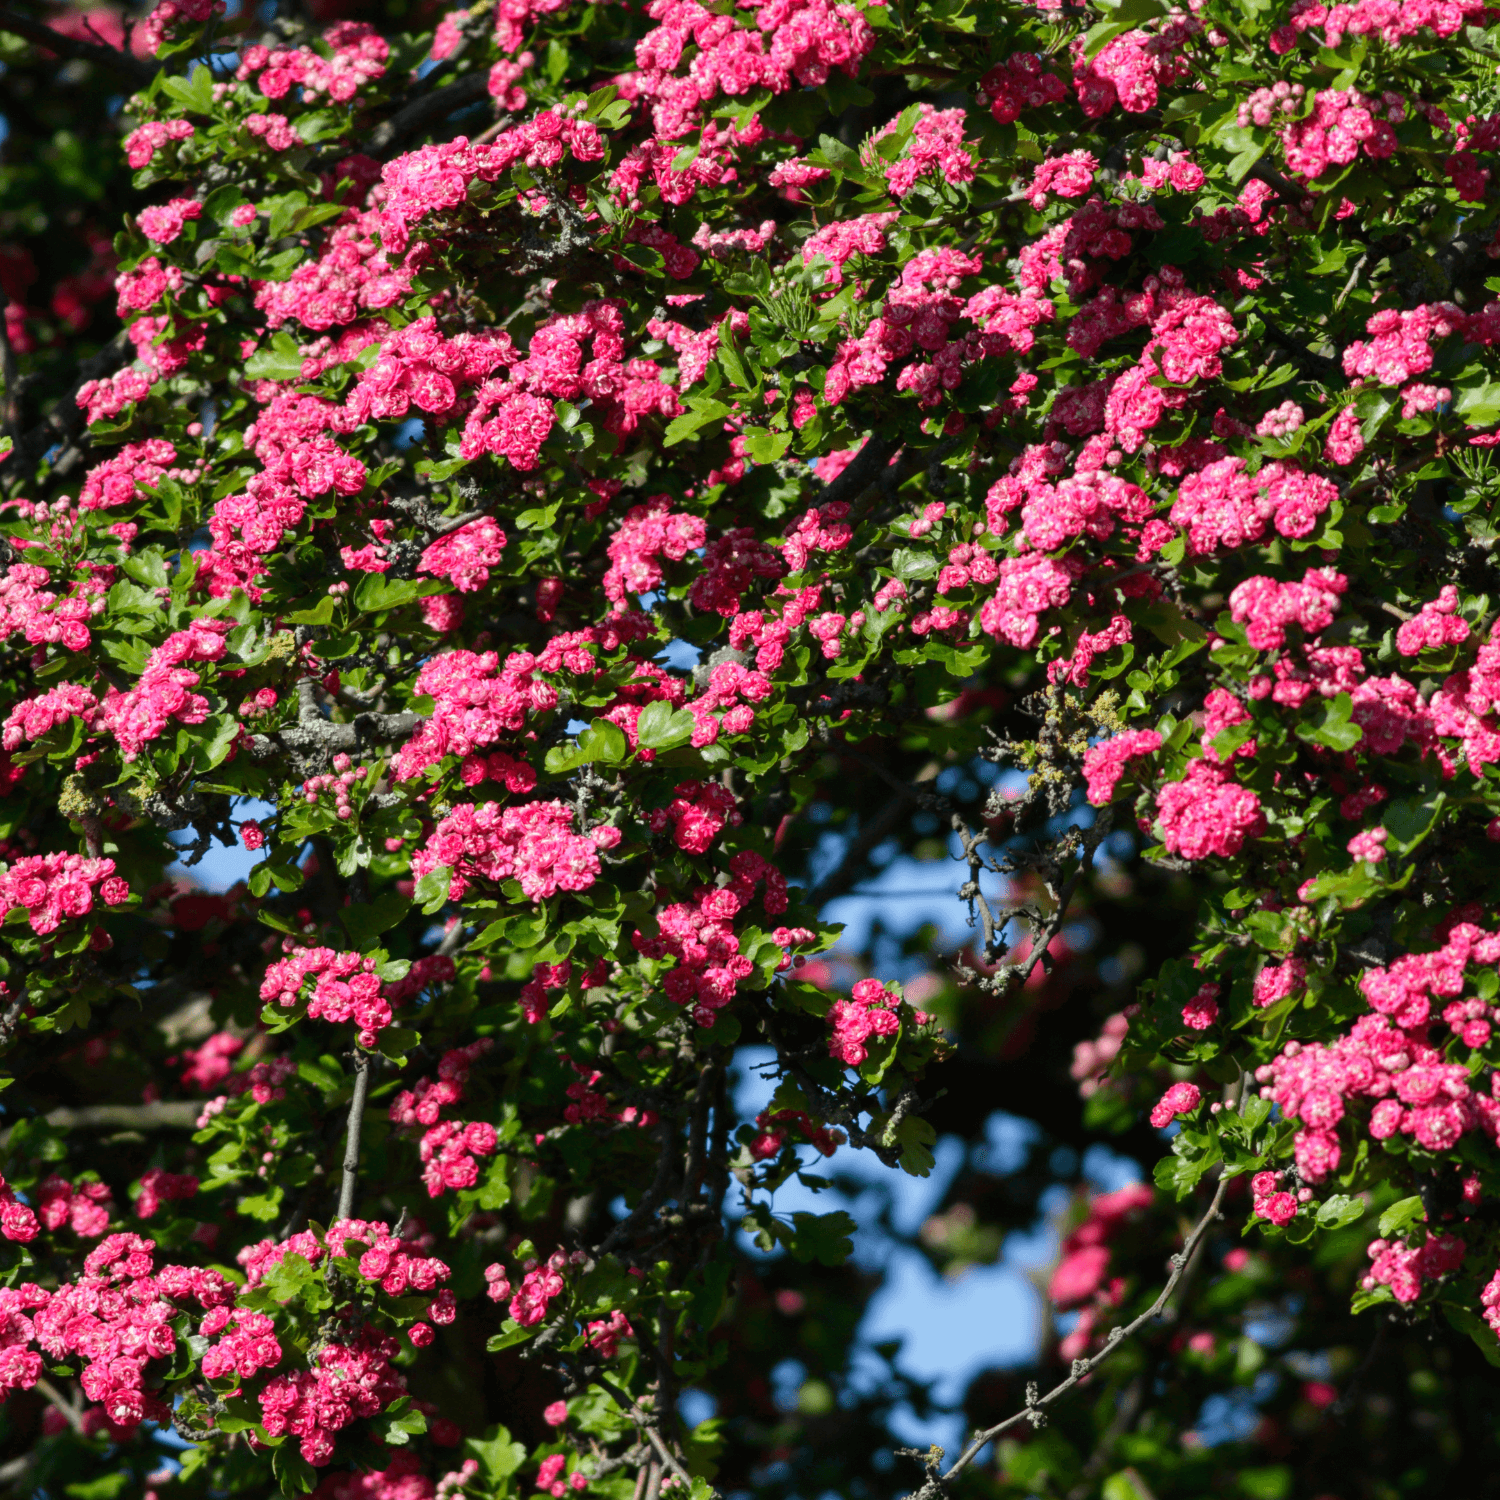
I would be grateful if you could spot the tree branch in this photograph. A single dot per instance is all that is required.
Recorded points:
(388, 137)
(165, 1114)
(863, 470)
(75, 48)
(66, 419)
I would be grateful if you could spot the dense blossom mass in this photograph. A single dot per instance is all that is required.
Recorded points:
(504, 484)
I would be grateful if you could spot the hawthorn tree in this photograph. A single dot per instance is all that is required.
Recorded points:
(572, 488)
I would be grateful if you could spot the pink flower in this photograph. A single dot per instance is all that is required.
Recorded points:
(1180, 1099)
(1369, 845)
(164, 223)
(1203, 1009)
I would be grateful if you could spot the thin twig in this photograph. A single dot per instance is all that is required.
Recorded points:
(1033, 1412)
(364, 1065)
(57, 1399)
(646, 1425)
(10, 408)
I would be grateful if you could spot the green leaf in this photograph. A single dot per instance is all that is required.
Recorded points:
(364, 923)
(376, 591)
(496, 1453)
(1125, 1485)
(730, 357)
(824, 1238)
(701, 411)
(320, 614)
(1408, 821)
(661, 727)
(1334, 728)
(512, 1333)
(106, 1487)
(148, 567)
(764, 446)
(432, 890)
(281, 360)
(602, 740)
(1339, 1210)
(399, 1423)
(1401, 1215)
(397, 1041)
(195, 92)
(293, 1473)
(912, 564)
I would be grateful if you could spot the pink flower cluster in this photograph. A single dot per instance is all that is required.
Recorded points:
(871, 1010)
(341, 781)
(1400, 342)
(84, 1207)
(836, 242)
(422, 1104)
(117, 1317)
(1342, 120)
(1203, 1009)
(1393, 21)
(476, 701)
(54, 888)
(350, 274)
(162, 694)
(104, 399)
(1067, 176)
(359, 57)
(146, 140)
(698, 813)
(1018, 84)
(648, 533)
(30, 609)
(533, 844)
(936, 145)
(1029, 586)
(1269, 1201)
(17, 1221)
(114, 481)
(1093, 1056)
(1277, 982)
(1104, 763)
(351, 1381)
(435, 178)
(700, 935)
(1265, 607)
(345, 987)
(159, 1186)
(1223, 506)
(210, 1063)
(1386, 1057)
(1130, 69)
(465, 556)
(1180, 1099)
(1207, 812)
(246, 1343)
(164, 222)
(31, 718)
(539, 1285)
(1435, 625)
(1404, 1267)
(794, 42)
(1084, 1257)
